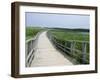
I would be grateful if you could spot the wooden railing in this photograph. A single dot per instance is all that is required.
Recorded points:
(76, 49)
(30, 48)
(29, 51)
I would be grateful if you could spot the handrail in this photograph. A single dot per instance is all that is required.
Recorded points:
(30, 48)
(72, 51)
(30, 39)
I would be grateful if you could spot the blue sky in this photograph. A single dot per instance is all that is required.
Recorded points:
(57, 20)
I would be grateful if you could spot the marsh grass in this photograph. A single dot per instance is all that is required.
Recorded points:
(32, 31)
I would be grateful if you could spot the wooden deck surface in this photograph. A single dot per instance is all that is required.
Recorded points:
(47, 55)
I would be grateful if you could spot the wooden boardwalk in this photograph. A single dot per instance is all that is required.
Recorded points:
(47, 55)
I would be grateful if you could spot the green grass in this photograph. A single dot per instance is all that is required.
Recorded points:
(65, 35)
(32, 31)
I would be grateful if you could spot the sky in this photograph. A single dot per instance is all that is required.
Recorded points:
(57, 20)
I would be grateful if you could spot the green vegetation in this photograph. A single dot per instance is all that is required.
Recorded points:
(32, 31)
(70, 35)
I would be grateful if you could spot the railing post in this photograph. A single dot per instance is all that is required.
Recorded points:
(65, 45)
(83, 52)
(72, 47)
(28, 47)
(26, 53)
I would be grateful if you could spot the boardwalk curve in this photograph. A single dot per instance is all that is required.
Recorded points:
(46, 54)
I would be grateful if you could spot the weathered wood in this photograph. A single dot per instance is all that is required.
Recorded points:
(84, 52)
(30, 45)
(72, 47)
